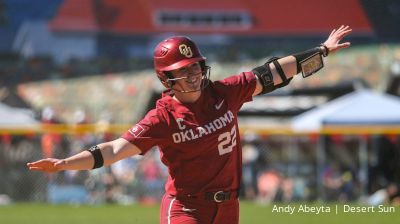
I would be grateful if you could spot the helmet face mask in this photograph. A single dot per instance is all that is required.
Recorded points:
(175, 53)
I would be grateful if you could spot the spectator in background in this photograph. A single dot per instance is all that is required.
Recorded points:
(387, 195)
(332, 180)
(49, 141)
(393, 84)
(269, 183)
(250, 158)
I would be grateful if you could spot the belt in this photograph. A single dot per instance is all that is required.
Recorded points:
(218, 196)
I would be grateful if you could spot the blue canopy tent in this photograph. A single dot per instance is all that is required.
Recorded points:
(11, 117)
(367, 108)
(362, 107)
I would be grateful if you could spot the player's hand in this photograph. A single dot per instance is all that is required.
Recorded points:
(333, 42)
(48, 165)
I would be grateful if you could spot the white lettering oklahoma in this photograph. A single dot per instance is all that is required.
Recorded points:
(198, 132)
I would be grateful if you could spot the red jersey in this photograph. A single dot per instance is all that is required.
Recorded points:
(199, 142)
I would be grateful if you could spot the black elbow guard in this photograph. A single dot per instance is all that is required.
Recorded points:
(264, 74)
(266, 78)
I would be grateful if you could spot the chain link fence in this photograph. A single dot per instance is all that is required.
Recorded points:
(276, 167)
(128, 181)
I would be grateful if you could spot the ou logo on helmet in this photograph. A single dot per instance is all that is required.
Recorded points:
(185, 50)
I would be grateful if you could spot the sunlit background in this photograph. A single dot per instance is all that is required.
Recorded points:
(74, 73)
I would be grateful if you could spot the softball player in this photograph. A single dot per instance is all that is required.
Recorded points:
(195, 128)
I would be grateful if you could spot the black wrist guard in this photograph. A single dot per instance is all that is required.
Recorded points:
(97, 156)
(302, 56)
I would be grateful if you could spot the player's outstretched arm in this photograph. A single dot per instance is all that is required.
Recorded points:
(290, 64)
(111, 152)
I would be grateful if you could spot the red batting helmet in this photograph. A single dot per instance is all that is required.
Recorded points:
(174, 53)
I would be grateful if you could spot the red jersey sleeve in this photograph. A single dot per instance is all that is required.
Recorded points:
(239, 88)
(146, 133)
